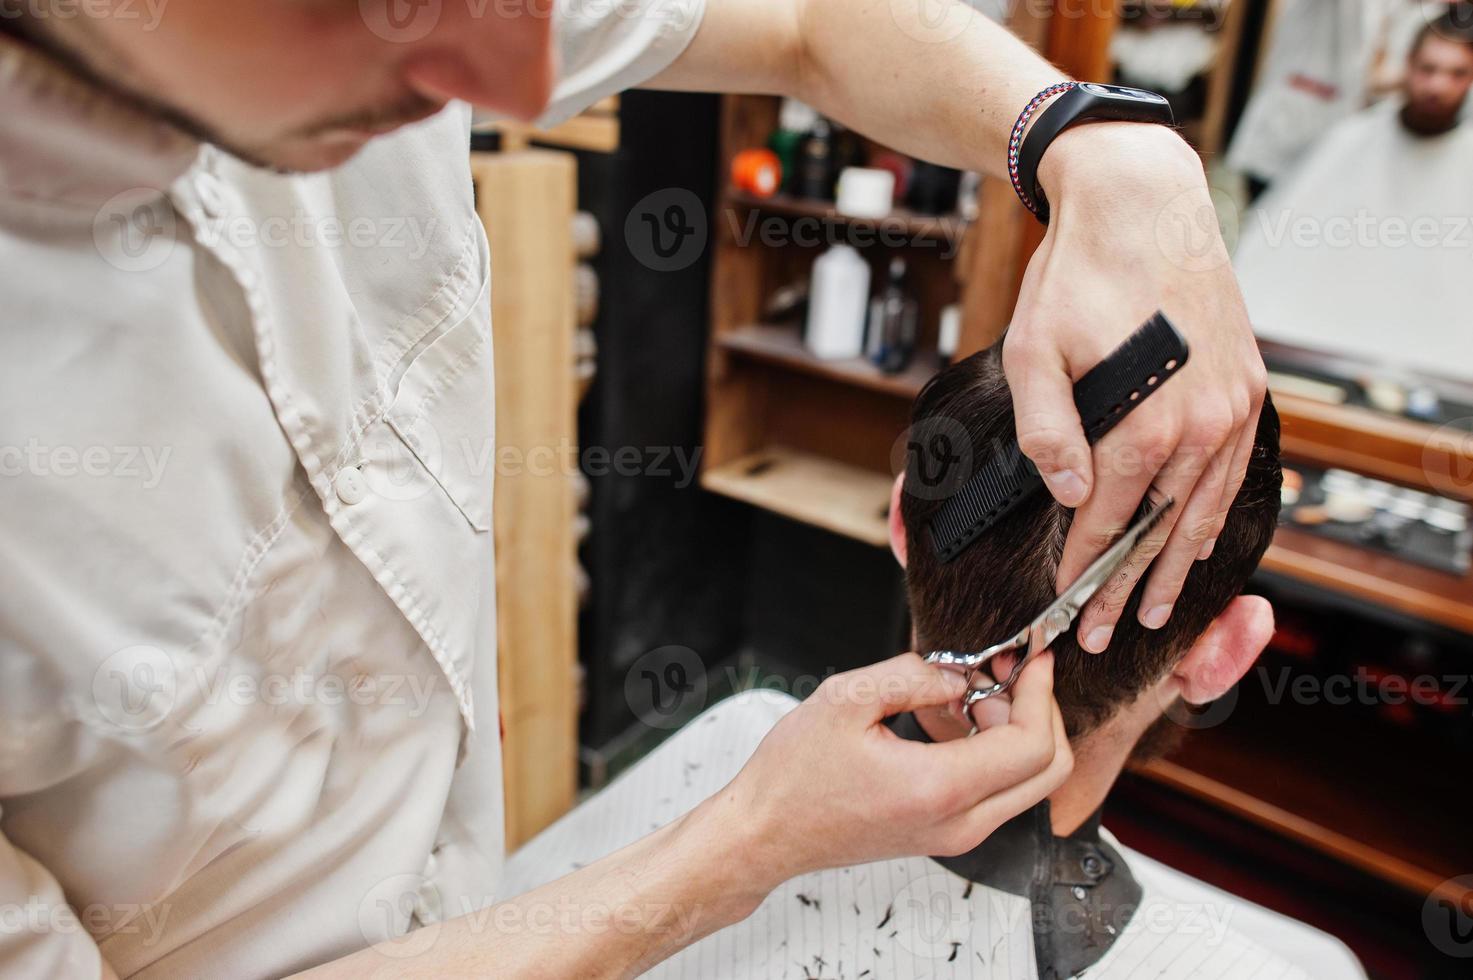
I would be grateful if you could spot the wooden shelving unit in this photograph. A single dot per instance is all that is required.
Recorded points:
(783, 347)
(813, 439)
(901, 221)
(806, 487)
(1292, 772)
(786, 431)
(526, 199)
(1396, 450)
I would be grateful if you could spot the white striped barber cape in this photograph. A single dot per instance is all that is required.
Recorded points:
(906, 918)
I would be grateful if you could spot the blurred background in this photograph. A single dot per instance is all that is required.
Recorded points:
(711, 317)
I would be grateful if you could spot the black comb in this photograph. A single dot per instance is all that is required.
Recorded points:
(1104, 396)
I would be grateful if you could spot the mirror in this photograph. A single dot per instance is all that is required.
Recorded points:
(1336, 140)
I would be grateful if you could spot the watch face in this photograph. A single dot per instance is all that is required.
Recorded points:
(1122, 92)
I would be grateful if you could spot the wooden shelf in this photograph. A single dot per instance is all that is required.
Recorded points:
(1415, 590)
(1398, 450)
(805, 487)
(902, 220)
(783, 347)
(1313, 781)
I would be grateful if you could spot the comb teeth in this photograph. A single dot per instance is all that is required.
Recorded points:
(983, 501)
(1106, 394)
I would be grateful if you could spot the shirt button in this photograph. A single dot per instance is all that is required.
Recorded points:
(350, 485)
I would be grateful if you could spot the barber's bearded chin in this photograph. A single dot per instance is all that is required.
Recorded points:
(1428, 118)
(321, 145)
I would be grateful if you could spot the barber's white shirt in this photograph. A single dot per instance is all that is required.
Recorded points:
(248, 716)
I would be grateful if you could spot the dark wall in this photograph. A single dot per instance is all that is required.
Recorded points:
(672, 565)
(664, 558)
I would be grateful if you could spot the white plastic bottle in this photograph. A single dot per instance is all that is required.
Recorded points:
(838, 299)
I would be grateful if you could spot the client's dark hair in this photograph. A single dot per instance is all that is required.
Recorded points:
(1006, 577)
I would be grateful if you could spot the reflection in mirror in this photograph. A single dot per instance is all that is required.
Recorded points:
(1335, 134)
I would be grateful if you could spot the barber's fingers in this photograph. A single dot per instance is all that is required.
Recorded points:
(1237, 472)
(1000, 807)
(891, 687)
(994, 760)
(1097, 525)
(1201, 519)
(1049, 430)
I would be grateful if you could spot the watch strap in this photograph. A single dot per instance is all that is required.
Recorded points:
(1078, 103)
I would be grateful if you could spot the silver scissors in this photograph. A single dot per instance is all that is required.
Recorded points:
(1035, 638)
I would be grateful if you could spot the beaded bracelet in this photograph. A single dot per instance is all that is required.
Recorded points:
(1015, 142)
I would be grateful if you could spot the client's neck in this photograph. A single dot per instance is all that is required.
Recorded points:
(1099, 758)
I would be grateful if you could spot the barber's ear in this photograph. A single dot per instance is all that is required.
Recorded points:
(1223, 654)
(897, 526)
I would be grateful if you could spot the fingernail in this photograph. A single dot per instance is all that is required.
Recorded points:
(1098, 639)
(1156, 617)
(1206, 551)
(1066, 486)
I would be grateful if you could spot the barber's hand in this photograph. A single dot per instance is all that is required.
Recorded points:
(831, 786)
(1133, 232)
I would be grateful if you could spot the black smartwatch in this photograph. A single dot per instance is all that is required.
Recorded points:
(1079, 103)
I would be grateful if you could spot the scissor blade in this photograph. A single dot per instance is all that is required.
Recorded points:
(1060, 616)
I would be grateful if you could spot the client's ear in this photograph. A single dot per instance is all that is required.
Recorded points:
(1223, 654)
(897, 525)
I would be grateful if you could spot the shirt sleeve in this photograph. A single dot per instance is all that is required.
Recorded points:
(607, 46)
(40, 934)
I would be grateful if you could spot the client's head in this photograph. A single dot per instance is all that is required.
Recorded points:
(1439, 72)
(1007, 576)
